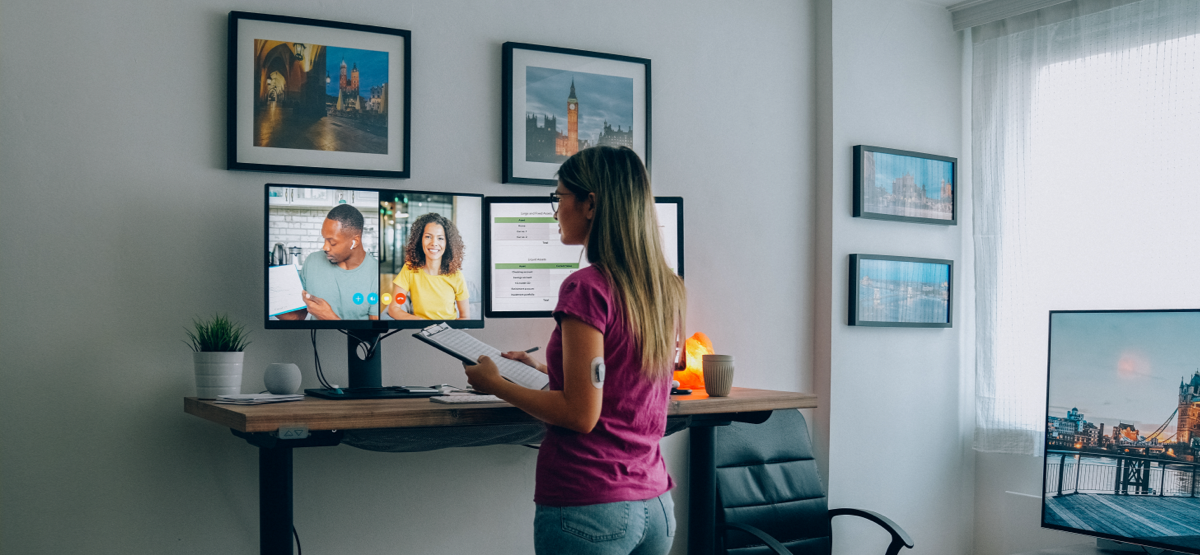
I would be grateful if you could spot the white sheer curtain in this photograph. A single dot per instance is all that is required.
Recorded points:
(1086, 176)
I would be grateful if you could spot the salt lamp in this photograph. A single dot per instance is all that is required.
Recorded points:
(694, 348)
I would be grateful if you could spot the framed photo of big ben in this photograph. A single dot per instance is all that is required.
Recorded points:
(558, 101)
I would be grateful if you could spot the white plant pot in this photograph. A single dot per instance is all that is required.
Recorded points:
(218, 373)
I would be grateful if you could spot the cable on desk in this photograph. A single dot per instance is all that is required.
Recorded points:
(374, 346)
(297, 536)
(317, 361)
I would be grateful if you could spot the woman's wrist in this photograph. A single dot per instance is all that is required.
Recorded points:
(501, 388)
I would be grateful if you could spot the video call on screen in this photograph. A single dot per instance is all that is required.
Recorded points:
(373, 255)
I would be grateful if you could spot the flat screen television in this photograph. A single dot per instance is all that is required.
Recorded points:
(1123, 427)
(366, 261)
(527, 262)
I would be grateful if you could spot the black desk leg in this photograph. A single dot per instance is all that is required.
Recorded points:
(275, 500)
(702, 492)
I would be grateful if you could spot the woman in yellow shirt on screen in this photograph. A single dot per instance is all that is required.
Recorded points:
(431, 277)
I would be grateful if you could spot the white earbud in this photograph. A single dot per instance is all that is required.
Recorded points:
(353, 243)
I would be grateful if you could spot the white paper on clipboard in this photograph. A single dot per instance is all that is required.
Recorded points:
(458, 344)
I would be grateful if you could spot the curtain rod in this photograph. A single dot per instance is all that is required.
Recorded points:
(972, 13)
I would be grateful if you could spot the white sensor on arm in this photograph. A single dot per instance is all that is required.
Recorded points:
(598, 373)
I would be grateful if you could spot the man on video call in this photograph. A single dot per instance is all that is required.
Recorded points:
(339, 280)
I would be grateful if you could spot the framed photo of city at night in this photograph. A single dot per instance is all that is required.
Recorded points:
(898, 291)
(312, 96)
(558, 101)
(905, 186)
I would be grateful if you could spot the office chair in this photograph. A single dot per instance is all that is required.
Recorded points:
(769, 492)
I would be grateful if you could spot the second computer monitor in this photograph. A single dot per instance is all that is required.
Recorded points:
(526, 262)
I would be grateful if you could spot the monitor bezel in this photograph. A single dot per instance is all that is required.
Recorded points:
(488, 310)
(1046, 438)
(381, 324)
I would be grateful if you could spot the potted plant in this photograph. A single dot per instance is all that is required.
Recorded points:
(217, 345)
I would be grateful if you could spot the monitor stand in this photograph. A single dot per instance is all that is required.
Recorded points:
(365, 371)
(1108, 546)
(365, 368)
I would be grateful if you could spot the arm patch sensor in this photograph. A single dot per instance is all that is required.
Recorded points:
(598, 372)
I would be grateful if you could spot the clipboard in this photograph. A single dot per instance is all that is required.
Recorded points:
(467, 349)
(435, 344)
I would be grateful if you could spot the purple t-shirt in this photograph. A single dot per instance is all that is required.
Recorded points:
(620, 459)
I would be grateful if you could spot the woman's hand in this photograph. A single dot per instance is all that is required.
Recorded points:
(524, 358)
(484, 376)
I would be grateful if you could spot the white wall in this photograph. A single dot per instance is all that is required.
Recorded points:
(898, 437)
(120, 224)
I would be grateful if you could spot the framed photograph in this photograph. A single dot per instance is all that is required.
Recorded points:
(312, 96)
(905, 186)
(898, 291)
(558, 101)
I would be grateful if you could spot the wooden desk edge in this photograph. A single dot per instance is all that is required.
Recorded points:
(318, 414)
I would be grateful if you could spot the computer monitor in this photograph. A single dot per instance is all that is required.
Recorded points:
(369, 260)
(1123, 427)
(527, 262)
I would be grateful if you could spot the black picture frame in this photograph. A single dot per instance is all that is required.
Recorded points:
(872, 201)
(278, 99)
(862, 313)
(529, 159)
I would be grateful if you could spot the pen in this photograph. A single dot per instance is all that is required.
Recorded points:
(531, 349)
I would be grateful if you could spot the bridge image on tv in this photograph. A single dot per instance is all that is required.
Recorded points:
(1123, 426)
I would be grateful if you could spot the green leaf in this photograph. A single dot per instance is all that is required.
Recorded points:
(217, 334)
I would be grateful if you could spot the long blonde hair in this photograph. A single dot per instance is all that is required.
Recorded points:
(625, 245)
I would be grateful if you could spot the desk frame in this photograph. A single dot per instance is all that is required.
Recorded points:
(259, 424)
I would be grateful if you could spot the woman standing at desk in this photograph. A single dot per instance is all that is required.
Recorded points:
(602, 485)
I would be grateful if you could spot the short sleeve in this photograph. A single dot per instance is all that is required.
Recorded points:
(402, 279)
(586, 298)
(460, 287)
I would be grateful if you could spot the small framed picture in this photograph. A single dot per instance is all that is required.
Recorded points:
(558, 101)
(905, 186)
(312, 96)
(899, 291)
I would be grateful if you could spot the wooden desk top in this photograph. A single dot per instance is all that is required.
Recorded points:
(324, 414)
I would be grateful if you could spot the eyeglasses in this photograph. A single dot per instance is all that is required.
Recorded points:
(554, 200)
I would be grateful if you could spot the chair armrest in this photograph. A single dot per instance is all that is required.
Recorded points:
(900, 538)
(772, 543)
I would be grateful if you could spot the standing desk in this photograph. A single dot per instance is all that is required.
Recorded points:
(278, 428)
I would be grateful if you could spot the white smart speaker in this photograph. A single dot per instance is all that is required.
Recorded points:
(282, 378)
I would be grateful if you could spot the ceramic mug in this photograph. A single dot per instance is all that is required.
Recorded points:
(718, 375)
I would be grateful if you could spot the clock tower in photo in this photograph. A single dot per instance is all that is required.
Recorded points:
(572, 122)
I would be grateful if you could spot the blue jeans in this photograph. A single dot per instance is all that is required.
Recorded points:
(625, 528)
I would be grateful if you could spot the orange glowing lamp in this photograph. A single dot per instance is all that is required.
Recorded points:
(696, 346)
